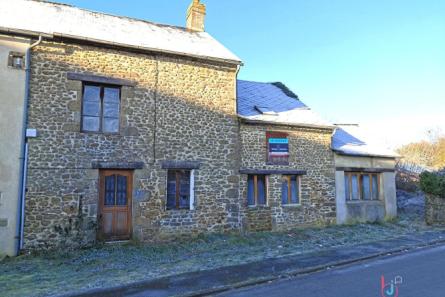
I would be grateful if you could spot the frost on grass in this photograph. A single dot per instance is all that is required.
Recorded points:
(51, 273)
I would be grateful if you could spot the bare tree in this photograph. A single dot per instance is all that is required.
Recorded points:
(428, 154)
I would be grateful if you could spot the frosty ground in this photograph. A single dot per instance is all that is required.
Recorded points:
(55, 273)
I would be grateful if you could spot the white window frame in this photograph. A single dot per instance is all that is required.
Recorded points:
(192, 189)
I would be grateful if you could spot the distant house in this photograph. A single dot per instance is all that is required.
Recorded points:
(142, 131)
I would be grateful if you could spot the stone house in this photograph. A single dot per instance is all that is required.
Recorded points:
(142, 131)
(286, 146)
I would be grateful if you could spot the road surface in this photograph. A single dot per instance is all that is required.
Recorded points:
(422, 274)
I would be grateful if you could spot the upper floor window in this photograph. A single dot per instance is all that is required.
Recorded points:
(290, 189)
(100, 108)
(277, 148)
(362, 186)
(256, 190)
(180, 189)
(16, 60)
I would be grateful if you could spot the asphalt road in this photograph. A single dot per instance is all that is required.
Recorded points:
(422, 272)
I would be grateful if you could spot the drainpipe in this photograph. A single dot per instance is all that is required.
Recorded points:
(24, 151)
(238, 68)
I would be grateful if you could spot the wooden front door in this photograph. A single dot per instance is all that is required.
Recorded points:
(115, 204)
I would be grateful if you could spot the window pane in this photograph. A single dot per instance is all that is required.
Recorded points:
(284, 190)
(111, 95)
(354, 190)
(184, 202)
(184, 190)
(121, 198)
(91, 108)
(261, 189)
(110, 125)
(171, 189)
(347, 192)
(91, 93)
(111, 110)
(250, 190)
(294, 189)
(109, 190)
(366, 189)
(90, 124)
(375, 187)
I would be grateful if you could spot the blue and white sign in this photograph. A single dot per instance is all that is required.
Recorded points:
(278, 147)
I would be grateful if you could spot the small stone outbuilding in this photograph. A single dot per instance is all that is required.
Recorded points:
(365, 178)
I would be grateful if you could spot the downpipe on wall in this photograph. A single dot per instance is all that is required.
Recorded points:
(24, 151)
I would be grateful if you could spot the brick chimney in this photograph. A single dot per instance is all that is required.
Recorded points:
(196, 16)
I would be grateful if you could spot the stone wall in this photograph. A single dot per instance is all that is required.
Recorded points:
(176, 109)
(434, 210)
(309, 150)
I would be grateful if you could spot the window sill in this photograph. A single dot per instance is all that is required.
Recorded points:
(258, 206)
(180, 210)
(364, 201)
(100, 133)
(16, 68)
(278, 163)
(291, 205)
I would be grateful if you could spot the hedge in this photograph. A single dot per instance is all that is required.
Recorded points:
(433, 183)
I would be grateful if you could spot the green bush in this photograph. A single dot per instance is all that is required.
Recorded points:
(433, 183)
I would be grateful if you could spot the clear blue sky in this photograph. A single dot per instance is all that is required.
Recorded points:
(377, 62)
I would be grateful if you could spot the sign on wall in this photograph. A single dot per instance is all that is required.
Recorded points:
(277, 148)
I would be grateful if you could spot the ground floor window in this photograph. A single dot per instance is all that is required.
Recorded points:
(256, 190)
(180, 189)
(362, 186)
(290, 189)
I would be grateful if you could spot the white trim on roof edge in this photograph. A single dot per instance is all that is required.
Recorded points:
(252, 121)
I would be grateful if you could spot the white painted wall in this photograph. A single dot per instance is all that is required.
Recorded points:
(366, 210)
(390, 195)
(364, 162)
(12, 92)
(342, 214)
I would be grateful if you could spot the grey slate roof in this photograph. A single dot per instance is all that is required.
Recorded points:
(61, 20)
(279, 105)
(275, 104)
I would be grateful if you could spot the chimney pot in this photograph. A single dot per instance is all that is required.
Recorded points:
(196, 16)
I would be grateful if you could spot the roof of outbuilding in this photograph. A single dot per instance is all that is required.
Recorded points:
(68, 21)
(279, 105)
(348, 140)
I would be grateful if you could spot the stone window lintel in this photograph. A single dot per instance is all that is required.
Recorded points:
(117, 165)
(190, 165)
(100, 79)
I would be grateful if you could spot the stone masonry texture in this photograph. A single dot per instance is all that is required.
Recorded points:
(434, 210)
(195, 121)
(179, 110)
(309, 150)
